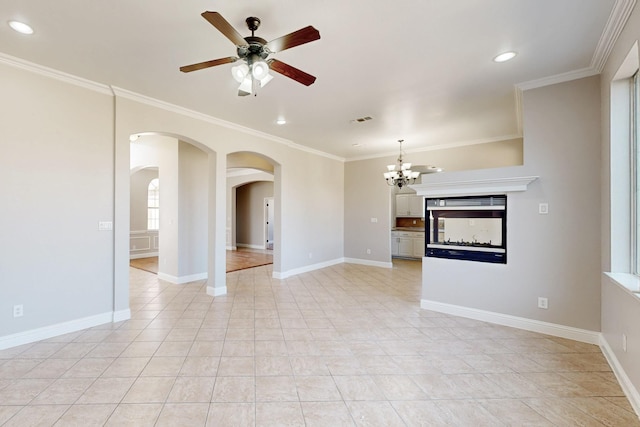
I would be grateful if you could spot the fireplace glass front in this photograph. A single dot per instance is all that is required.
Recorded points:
(468, 228)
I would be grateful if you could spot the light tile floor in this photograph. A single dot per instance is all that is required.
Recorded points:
(347, 345)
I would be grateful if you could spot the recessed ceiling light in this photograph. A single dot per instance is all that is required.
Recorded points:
(281, 122)
(504, 57)
(134, 137)
(21, 27)
(357, 145)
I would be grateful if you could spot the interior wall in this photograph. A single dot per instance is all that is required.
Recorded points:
(555, 255)
(193, 191)
(250, 213)
(368, 196)
(56, 185)
(139, 197)
(620, 307)
(234, 180)
(303, 247)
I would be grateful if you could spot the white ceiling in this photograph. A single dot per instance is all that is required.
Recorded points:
(422, 69)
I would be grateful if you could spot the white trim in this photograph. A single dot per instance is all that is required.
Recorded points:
(368, 262)
(468, 188)
(558, 78)
(55, 330)
(151, 232)
(620, 13)
(627, 281)
(144, 255)
(576, 334)
(232, 248)
(444, 146)
(54, 74)
(618, 18)
(306, 269)
(124, 93)
(181, 280)
(216, 292)
(627, 385)
(246, 245)
(121, 315)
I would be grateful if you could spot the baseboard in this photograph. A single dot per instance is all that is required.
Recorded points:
(121, 315)
(144, 255)
(368, 262)
(51, 331)
(245, 245)
(307, 268)
(627, 386)
(232, 248)
(182, 279)
(216, 292)
(553, 329)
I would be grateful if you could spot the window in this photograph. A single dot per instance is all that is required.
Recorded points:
(153, 205)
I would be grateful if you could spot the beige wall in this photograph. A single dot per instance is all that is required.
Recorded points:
(250, 226)
(56, 184)
(620, 308)
(139, 194)
(556, 255)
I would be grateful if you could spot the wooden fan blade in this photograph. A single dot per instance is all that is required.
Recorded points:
(225, 28)
(302, 36)
(207, 64)
(291, 72)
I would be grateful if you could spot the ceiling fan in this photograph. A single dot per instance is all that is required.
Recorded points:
(253, 71)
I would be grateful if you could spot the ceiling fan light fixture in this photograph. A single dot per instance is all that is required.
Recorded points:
(259, 69)
(240, 72)
(266, 80)
(246, 87)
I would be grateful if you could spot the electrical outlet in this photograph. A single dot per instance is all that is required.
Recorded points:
(543, 303)
(18, 310)
(310, 255)
(624, 342)
(368, 251)
(374, 219)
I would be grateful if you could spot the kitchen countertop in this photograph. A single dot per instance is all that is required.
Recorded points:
(416, 229)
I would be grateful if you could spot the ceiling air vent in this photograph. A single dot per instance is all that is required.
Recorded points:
(361, 119)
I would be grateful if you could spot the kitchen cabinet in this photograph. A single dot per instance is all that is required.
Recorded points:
(409, 205)
(418, 245)
(407, 244)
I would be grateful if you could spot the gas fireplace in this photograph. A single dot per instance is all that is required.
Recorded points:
(467, 228)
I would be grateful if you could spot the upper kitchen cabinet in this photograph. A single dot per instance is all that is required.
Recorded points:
(409, 205)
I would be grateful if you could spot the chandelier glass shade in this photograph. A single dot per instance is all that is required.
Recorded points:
(400, 174)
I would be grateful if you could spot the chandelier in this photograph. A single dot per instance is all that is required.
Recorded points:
(400, 174)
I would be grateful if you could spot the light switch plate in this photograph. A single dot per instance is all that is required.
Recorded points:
(543, 208)
(105, 225)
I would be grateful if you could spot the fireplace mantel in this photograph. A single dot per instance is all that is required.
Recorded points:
(473, 187)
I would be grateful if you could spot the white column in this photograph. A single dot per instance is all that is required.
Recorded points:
(217, 217)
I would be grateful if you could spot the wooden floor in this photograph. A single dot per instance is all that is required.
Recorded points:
(236, 260)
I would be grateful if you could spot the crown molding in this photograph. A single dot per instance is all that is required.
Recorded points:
(22, 64)
(143, 99)
(439, 147)
(53, 74)
(618, 18)
(558, 78)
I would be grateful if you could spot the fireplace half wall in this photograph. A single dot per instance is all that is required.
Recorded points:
(467, 220)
